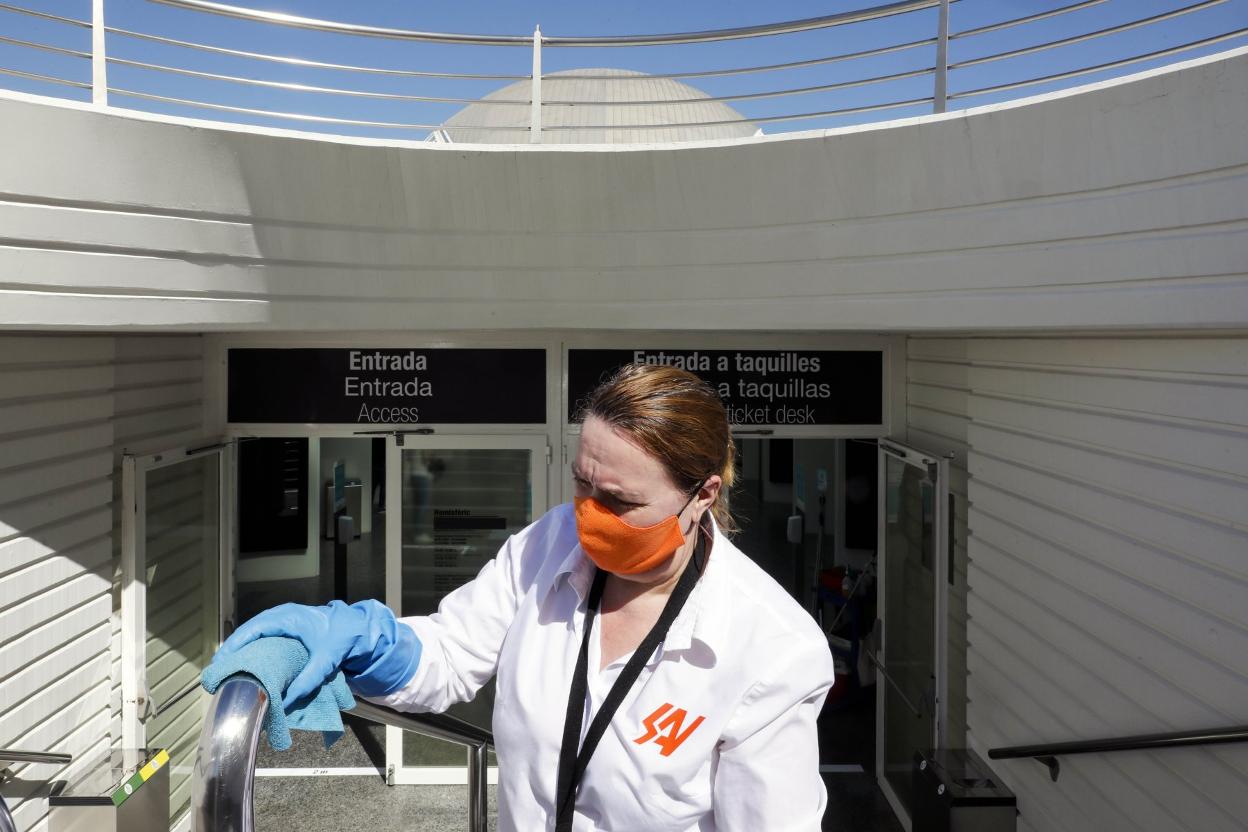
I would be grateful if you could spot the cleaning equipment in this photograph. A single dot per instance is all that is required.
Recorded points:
(275, 662)
(623, 549)
(377, 653)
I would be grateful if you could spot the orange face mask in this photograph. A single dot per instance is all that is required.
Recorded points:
(621, 548)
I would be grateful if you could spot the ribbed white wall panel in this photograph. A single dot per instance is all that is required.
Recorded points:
(1115, 205)
(936, 408)
(69, 405)
(56, 453)
(1108, 564)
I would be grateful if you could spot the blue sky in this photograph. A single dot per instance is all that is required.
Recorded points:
(563, 17)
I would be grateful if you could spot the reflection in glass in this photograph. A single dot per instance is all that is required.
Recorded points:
(458, 508)
(909, 622)
(181, 546)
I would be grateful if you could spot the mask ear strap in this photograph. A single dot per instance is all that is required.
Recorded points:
(692, 494)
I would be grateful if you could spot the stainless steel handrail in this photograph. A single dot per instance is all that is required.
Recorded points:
(383, 110)
(13, 755)
(295, 21)
(222, 785)
(754, 96)
(746, 70)
(45, 47)
(305, 62)
(56, 18)
(1047, 753)
(1030, 18)
(1074, 73)
(294, 87)
(442, 727)
(1087, 36)
(227, 108)
(225, 763)
(886, 105)
(710, 35)
(739, 33)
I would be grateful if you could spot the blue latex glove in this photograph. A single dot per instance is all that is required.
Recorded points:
(377, 654)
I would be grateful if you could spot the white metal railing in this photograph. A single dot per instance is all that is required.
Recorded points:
(935, 64)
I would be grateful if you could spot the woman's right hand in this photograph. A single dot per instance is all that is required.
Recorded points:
(377, 653)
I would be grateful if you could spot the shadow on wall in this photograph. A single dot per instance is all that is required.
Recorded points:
(69, 406)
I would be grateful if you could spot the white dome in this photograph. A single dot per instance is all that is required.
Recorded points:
(607, 85)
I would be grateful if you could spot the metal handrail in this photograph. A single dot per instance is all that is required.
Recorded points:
(1030, 18)
(673, 125)
(388, 125)
(13, 755)
(1087, 36)
(755, 96)
(305, 62)
(222, 785)
(707, 36)
(45, 47)
(56, 18)
(295, 21)
(1074, 73)
(746, 70)
(1047, 753)
(386, 116)
(739, 33)
(294, 87)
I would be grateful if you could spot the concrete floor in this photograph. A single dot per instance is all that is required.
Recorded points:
(334, 803)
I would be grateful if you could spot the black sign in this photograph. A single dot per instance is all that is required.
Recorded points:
(759, 387)
(387, 386)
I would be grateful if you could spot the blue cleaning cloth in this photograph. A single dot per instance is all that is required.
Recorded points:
(275, 661)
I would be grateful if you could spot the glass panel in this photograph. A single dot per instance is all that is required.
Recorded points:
(909, 612)
(458, 508)
(286, 521)
(181, 567)
(286, 510)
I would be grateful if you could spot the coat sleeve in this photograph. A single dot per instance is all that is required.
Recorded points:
(767, 775)
(460, 643)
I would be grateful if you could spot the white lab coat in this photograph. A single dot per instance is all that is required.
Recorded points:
(718, 733)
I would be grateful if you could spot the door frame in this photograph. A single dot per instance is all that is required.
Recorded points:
(135, 696)
(396, 444)
(937, 469)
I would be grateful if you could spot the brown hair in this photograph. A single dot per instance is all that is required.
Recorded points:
(678, 419)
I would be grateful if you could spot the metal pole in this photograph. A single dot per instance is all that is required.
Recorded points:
(477, 798)
(99, 59)
(535, 112)
(941, 96)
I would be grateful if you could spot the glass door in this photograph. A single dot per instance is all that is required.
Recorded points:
(452, 501)
(171, 602)
(910, 662)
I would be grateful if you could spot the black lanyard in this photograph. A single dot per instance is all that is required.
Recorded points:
(572, 764)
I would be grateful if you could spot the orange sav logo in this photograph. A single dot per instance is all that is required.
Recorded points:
(669, 733)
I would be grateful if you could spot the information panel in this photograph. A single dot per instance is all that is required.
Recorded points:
(758, 387)
(387, 386)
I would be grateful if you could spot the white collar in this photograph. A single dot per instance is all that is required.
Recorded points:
(702, 617)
